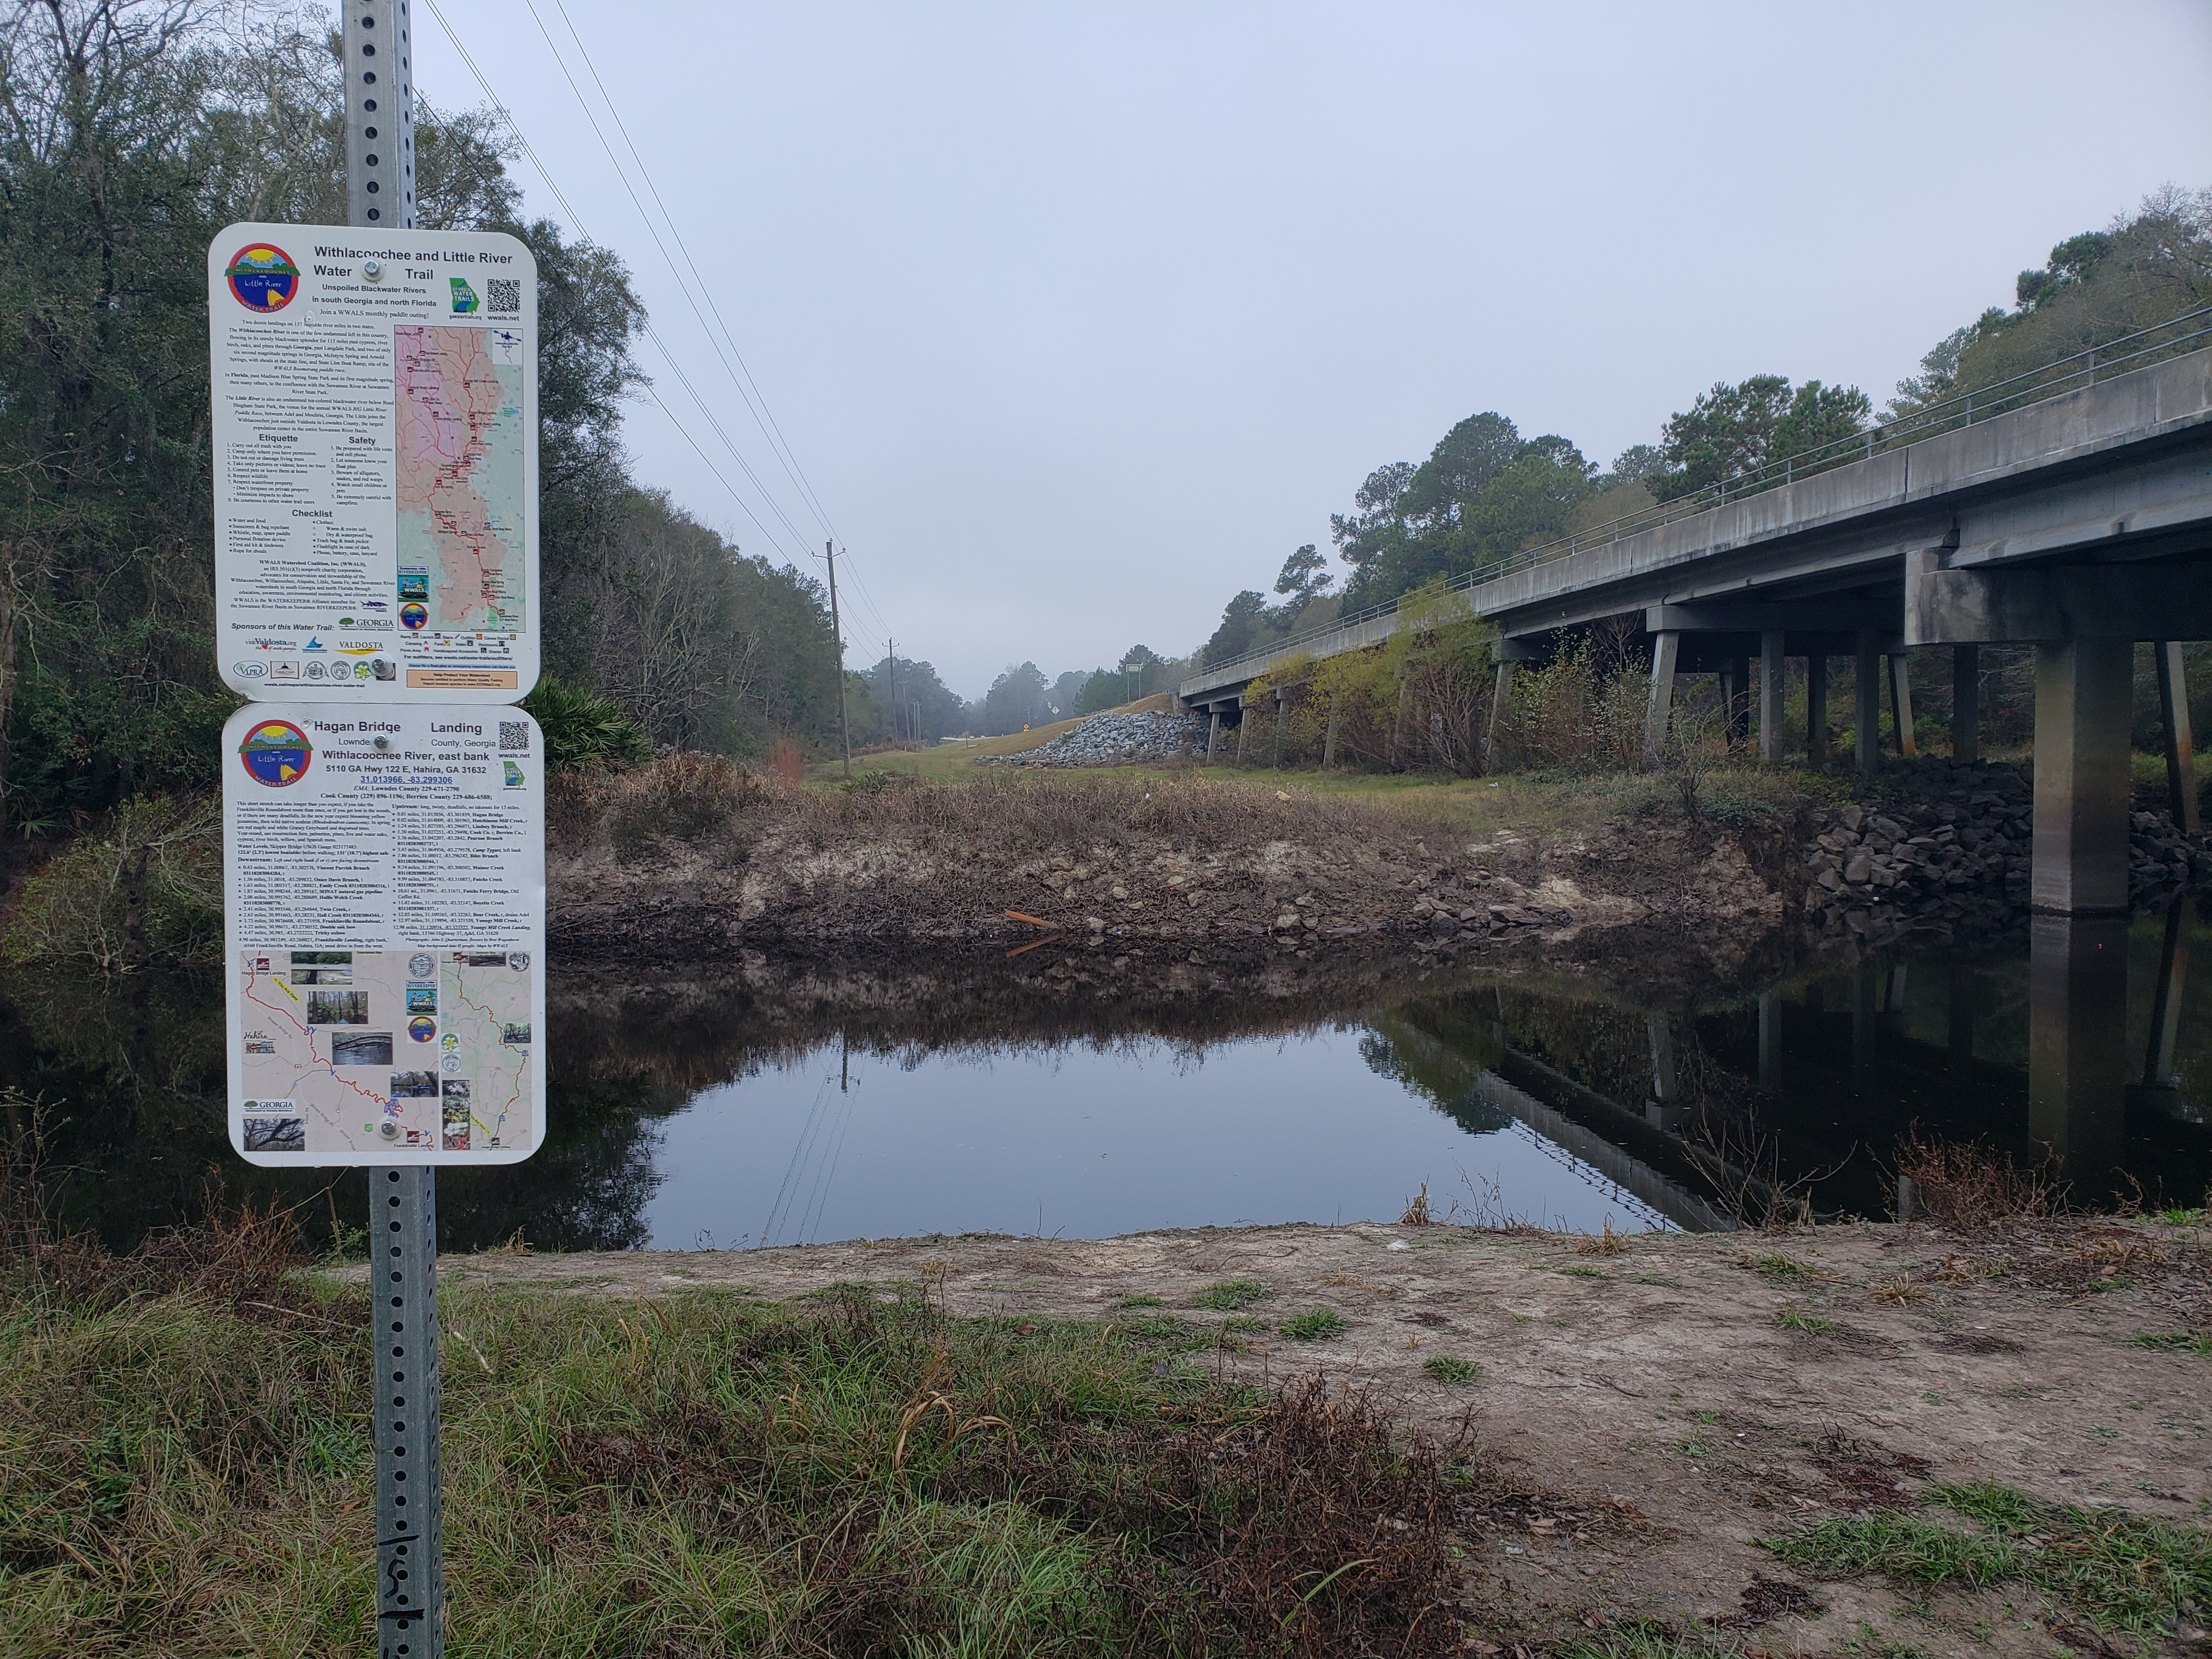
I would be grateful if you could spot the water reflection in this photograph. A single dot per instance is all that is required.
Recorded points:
(718, 1108)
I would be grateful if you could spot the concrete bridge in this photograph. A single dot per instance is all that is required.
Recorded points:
(2079, 525)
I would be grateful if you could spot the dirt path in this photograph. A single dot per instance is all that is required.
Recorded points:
(1655, 1405)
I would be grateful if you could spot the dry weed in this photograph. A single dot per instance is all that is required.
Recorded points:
(1968, 1186)
(1604, 1242)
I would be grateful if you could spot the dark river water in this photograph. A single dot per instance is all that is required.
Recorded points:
(2088, 1045)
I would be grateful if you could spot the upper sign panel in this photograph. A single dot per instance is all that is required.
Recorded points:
(375, 438)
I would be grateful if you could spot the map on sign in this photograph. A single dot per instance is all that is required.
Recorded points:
(374, 424)
(363, 1051)
(457, 414)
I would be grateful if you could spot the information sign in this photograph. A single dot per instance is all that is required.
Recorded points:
(375, 440)
(384, 869)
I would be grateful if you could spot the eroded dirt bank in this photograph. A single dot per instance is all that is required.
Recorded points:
(678, 865)
(1652, 1407)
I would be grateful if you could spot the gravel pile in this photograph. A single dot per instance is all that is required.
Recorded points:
(1957, 860)
(1112, 740)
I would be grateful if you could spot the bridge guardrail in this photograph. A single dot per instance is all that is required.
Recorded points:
(2055, 379)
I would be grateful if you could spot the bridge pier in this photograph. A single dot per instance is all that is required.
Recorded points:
(2174, 716)
(1772, 676)
(1966, 703)
(1900, 703)
(1816, 709)
(1212, 734)
(2084, 691)
(1867, 682)
(1666, 650)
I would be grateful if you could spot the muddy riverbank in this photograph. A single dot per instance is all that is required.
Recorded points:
(674, 865)
(1651, 1408)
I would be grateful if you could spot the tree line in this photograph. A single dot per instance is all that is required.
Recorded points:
(1486, 492)
(132, 131)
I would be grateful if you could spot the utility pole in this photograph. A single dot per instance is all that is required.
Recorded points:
(844, 727)
(890, 655)
(378, 74)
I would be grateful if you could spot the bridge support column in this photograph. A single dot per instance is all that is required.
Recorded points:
(1328, 743)
(1501, 693)
(2084, 693)
(1966, 703)
(1282, 704)
(1772, 674)
(1212, 734)
(1769, 1039)
(1736, 688)
(1243, 729)
(1868, 684)
(1900, 703)
(1666, 647)
(1816, 709)
(2173, 714)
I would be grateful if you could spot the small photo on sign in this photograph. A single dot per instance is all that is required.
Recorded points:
(338, 1008)
(361, 1048)
(276, 1134)
(457, 1115)
(421, 999)
(414, 1085)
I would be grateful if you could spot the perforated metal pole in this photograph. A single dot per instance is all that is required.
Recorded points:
(403, 1202)
(410, 1580)
(380, 114)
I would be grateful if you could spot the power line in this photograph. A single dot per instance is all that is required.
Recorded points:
(683, 286)
(771, 428)
(522, 141)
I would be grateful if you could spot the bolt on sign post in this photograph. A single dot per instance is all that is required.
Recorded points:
(375, 450)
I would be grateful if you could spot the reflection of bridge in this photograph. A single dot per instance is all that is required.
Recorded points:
(2079, 525)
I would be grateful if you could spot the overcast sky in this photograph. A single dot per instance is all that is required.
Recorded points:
(1079, 317)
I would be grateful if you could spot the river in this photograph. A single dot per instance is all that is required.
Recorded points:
(1503, 1101)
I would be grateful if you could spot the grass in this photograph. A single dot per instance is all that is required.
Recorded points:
(2176, 1341)
(1782, 1269)
(2118, 1572)
(185, 1452)
(1140, 1301)
(1233, 1294)
(1797, 1319)
(1317, 1326)
(1451, 1368)
(1576, 1270)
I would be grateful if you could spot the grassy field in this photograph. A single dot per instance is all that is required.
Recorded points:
(184, 1468)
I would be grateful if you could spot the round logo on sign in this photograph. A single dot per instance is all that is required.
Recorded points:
(263, 277)
(421, 1028)
(412, 617)
(277, 753)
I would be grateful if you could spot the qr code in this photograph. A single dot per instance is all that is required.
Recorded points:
(505, 292)
(514, 735)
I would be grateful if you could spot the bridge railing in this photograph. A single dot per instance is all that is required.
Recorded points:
(2188, 332)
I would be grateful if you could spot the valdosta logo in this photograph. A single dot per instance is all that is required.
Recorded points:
(263, 277)
(277, 753)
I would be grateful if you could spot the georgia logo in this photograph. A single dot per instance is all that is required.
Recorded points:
(263, 277)
(276, 753)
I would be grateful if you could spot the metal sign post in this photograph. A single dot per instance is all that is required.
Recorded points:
(375, 448)
(410, 1578)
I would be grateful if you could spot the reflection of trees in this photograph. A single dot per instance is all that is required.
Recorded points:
(131, 1073)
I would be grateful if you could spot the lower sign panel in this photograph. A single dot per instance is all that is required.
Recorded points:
(384, 880)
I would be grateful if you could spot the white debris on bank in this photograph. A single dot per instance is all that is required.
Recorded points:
(1112, 740)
